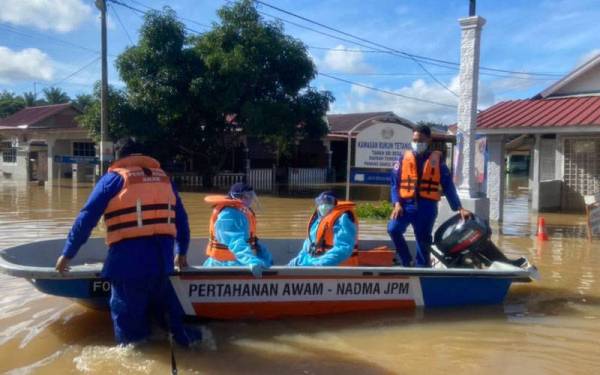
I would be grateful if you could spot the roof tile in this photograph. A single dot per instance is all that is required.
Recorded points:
(573, 111)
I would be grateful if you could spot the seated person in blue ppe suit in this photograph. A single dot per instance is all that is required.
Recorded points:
(232, 232)
(144, 244)
(332, 235)
(418, 179)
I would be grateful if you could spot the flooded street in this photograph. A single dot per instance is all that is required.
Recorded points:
(548, 327)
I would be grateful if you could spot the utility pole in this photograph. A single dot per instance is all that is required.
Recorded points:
(101, 5)
(472, 7)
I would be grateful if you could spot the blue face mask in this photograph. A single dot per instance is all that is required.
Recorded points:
(419, 147)
(324, 209)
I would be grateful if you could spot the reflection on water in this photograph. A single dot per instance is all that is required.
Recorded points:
(551, 326)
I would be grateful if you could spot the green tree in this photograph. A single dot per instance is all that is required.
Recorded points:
(83, 101)
(245, 77)
(30, 99)
(10, 103)
(260, 74)
(123, 119)
(55, 95)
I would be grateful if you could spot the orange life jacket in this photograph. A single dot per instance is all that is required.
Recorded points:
(428, 184)
(145, 206)
(325, 236)
(214, 248)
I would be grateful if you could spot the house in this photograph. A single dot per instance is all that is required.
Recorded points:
(560, 127)
(44, 143)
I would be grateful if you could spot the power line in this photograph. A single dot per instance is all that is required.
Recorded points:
(403, 74)
(114, 11)
(180, 17)
(423, 59)
(366, 41)
(48, 37)
(143, 12)
(56, 83)
(388, 92)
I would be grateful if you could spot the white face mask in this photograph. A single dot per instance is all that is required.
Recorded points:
(324, 209)
(419, 147)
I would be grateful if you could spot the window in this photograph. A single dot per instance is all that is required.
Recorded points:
(9, 154)
(84, 149)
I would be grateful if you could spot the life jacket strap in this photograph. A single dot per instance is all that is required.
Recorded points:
(145, 207)
(136, 223)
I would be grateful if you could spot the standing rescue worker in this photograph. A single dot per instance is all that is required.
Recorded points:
(146, 225)
(418, 178)
(232, 232)
(332, 234)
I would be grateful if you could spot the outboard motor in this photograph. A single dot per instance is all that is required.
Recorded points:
(467, 244)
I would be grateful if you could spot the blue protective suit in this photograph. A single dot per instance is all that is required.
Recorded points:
(232, 230)
(137, 269)
(344, 235)
(418, 212)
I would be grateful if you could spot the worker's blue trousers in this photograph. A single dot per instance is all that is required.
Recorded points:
(421, 216)
(134, 303)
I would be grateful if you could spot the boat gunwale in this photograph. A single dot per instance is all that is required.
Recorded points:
(93, 272)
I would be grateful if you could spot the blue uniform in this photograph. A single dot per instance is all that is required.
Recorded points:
(137, 268)
(232, 230)
(418, 212)
(344, 236)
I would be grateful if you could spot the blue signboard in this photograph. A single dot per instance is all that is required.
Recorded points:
(68, 159)
(371, 178)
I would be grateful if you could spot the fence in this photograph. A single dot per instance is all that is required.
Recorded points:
(307, 176)
(188, 179)
(225, 180)
(261, 179)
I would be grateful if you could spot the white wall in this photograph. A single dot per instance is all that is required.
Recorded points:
(584, 84)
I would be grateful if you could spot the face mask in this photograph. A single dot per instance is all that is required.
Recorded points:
(419, 147)
(324, 209)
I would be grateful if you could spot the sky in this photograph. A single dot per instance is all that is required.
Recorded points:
(56, 42)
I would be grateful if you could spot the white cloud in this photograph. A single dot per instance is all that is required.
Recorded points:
(343, 60)
(360, 101)
(27, 64)
(515, 82)
(58, 15)
(359, 90)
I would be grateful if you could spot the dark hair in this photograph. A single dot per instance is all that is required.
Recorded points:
(126, 147)
(423, 129)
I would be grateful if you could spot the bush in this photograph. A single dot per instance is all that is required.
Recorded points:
(379, 210)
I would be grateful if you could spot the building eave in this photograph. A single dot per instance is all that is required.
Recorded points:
(541, 130)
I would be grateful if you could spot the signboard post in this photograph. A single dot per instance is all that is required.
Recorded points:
(592, 208)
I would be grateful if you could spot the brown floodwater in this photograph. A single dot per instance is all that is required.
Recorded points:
(547, 327)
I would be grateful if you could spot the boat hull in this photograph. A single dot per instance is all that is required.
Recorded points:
(244, 297)
(234, 293)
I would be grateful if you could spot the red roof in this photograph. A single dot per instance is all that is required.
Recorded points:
(31, 115)
(535, 113)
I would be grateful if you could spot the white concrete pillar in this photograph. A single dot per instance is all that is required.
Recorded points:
(468, 188)
(467, 106)
(535, 176)
(496, 176)
(51, 173)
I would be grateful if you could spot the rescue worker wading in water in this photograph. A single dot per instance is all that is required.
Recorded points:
(232, 232)
(332, 235)
(146, 226)
(418, 178)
